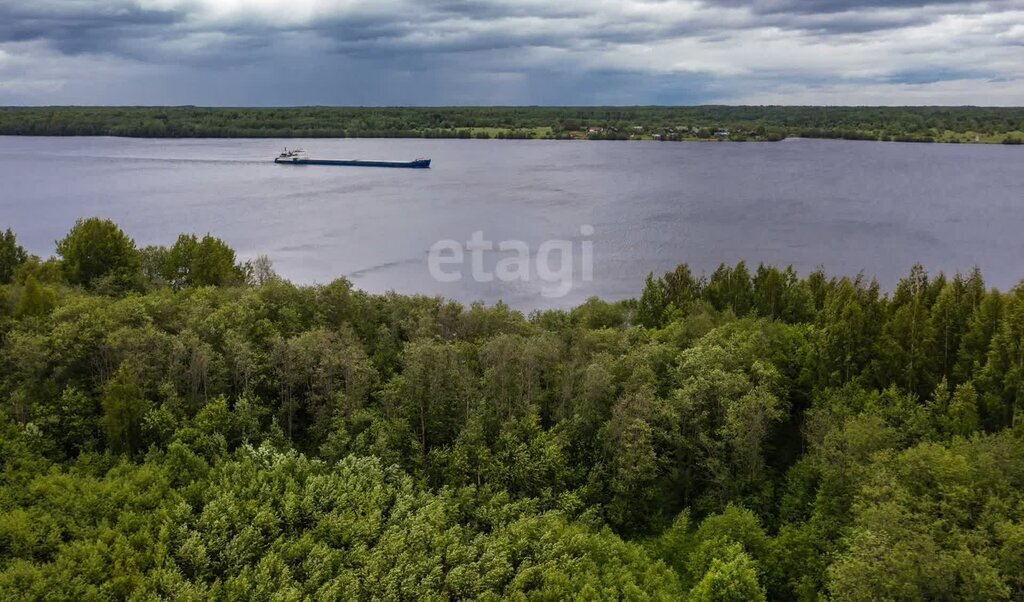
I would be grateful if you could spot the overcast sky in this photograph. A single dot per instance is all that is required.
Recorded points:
(396, 52)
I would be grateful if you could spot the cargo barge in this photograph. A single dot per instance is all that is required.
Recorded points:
(299, 157)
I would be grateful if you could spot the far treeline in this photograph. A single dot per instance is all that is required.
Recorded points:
(177, 425)
(734, 123)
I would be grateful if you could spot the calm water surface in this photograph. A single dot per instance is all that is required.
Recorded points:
(849, 206)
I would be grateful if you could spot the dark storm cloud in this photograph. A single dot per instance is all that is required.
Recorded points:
(463, 27)
(80, 27)
(388, 51)
(859, 16)
(931, 76)
(448, 26)
(482, 11)
(806, 7)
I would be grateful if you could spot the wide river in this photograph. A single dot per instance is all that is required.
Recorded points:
(621, 209)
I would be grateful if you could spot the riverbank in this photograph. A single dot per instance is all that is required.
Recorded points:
(708, 123)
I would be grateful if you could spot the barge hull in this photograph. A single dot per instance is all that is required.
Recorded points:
(418, 164)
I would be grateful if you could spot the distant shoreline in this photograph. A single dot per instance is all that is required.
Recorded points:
(1010, 142)
(977, 125)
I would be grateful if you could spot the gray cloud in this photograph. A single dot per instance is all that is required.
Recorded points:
(532, 51)
(836, 6)
(75, 27)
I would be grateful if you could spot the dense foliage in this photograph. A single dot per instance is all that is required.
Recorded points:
(180, 426)
(914, 124)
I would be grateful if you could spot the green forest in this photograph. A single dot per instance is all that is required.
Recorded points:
(182, 425)
(736, 123)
